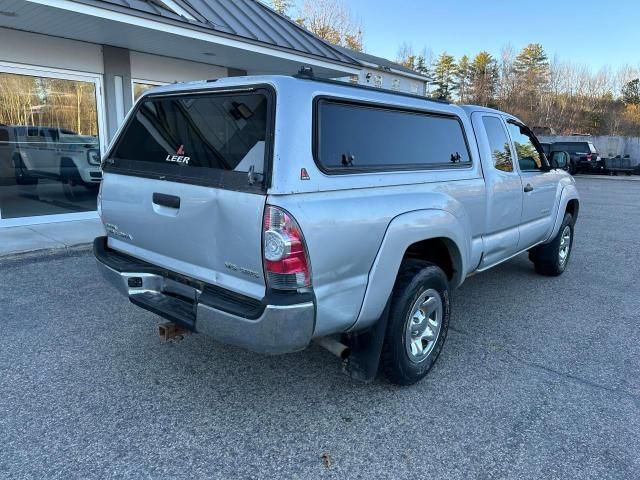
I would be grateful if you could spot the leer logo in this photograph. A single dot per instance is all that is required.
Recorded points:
(179, 157)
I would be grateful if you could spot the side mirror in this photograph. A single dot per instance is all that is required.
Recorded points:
(559, 160)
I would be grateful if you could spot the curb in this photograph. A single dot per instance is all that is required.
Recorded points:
(72, 250)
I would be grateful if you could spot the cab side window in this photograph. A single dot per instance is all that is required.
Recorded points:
(529, 157)
(499, 144)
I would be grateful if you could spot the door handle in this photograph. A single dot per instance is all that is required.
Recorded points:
(528, 188)
(165, 200)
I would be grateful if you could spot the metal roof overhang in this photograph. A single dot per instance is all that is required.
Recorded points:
(152, 34)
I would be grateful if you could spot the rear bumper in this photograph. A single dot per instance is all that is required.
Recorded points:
(272, 327)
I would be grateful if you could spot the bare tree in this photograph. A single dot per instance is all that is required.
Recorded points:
(332, 21)
(405, 56)
(282, 6)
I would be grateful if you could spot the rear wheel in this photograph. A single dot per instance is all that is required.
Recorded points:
(552, 259)
(573, 169)
(418, 322)
(70, 178)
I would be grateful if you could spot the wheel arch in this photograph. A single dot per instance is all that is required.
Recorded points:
(573, 207)
(432, 235)
(441, 251)
(569, 202)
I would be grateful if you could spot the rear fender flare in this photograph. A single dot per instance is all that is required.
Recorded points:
(403, 231)
(569, 192)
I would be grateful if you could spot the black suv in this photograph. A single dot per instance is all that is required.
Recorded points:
(584, 156)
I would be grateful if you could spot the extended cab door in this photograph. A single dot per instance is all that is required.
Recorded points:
(503, 187)
(539, 185)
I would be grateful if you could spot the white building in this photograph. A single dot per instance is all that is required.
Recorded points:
(382, 73)
(71, 69)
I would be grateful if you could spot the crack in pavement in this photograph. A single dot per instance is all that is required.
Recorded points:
(569, 376)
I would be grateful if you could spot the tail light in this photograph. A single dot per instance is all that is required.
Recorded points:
(589, 157)
(286, 262)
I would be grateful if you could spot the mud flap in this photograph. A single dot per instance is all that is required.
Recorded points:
(366, 348)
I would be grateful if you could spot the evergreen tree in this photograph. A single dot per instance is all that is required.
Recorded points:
(463, 78)
(444, 76)
(484, 79)
(421, 66)
(631, 92)
(531, 68)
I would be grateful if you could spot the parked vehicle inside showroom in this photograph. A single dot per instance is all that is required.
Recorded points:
(56, 153)
(270, 212)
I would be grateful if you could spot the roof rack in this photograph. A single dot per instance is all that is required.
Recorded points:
(306, 73)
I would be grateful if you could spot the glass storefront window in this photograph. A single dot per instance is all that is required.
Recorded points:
(49, 146)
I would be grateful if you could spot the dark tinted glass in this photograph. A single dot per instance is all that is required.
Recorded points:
(212, 131)
(355, 137)
(573, 147)
(499, 144)
(529, 158)
(546, 148)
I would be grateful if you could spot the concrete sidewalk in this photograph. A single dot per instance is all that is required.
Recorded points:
(48, 236)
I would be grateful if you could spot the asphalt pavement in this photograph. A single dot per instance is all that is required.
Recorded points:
(539, 378)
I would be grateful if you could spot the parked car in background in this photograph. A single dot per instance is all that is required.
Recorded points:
(550, 152)
(546, 148)
(584, 156)
(48, 152)
(269, 212)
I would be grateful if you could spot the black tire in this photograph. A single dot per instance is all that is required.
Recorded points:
(21, 173)
(572, 167)
(70, 178)
(415, 279)
(547, 259)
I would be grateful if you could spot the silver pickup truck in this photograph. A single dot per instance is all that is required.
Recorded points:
(270, 212)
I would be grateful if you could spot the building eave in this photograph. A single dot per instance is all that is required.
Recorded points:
(191, 30)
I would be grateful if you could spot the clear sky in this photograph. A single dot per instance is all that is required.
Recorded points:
(589, 32)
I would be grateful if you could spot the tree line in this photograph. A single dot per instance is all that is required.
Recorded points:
(560, 96)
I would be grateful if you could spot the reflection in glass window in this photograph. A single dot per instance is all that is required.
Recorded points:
(529, 158)
(358, 136)
(140, 87)
(499, 143)
(49, 146)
